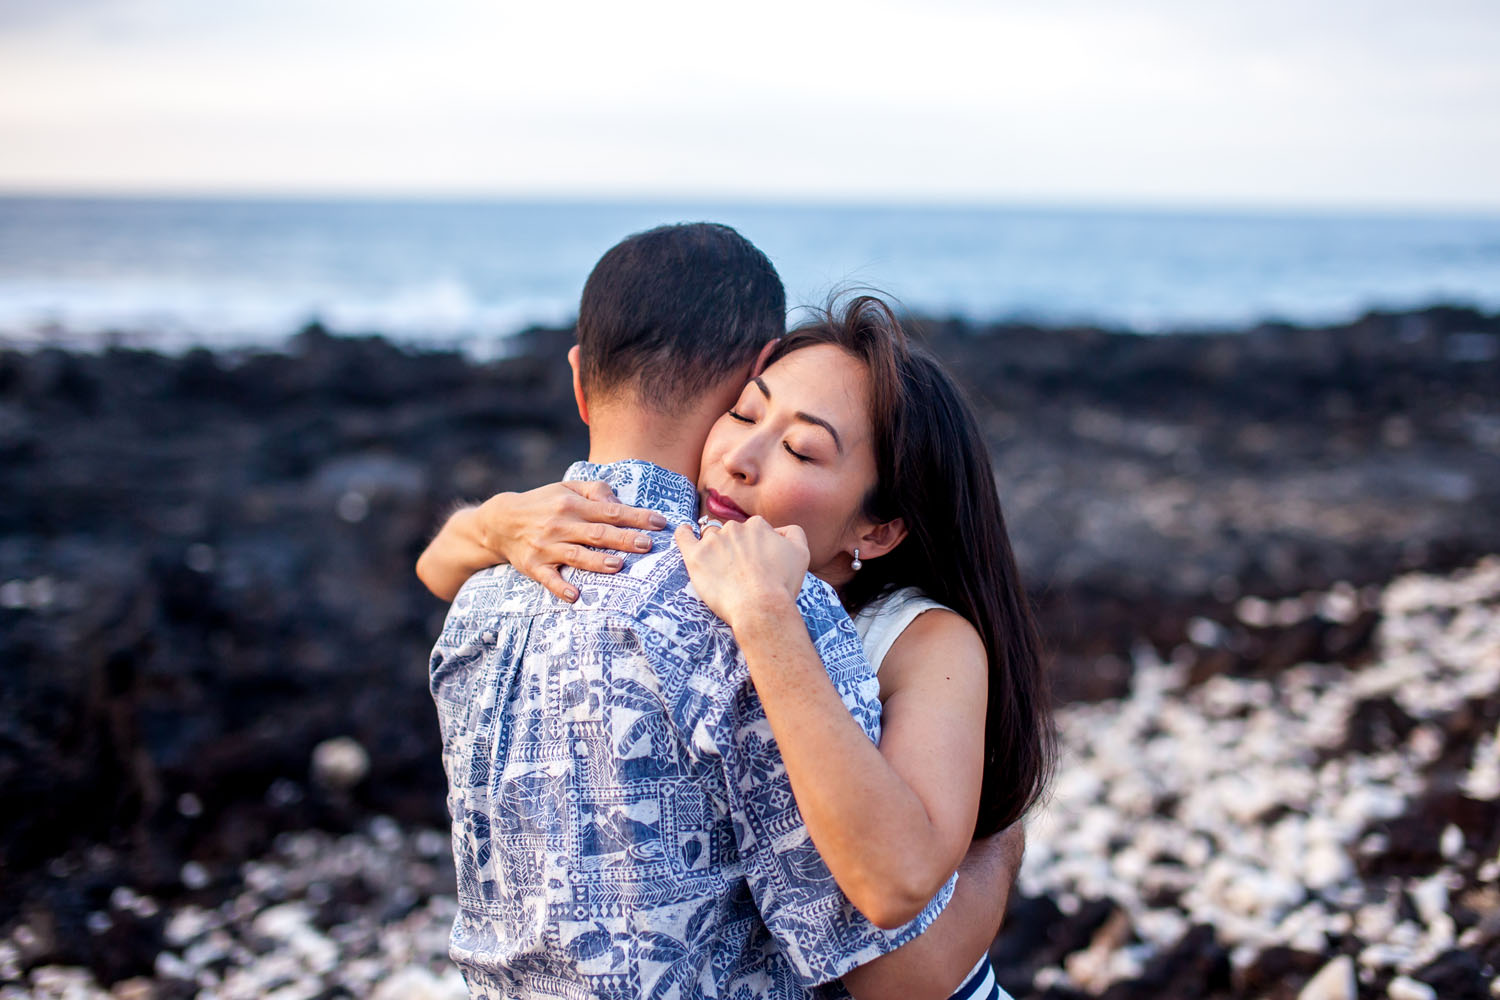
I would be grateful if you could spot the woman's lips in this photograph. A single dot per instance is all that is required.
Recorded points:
(723, 508)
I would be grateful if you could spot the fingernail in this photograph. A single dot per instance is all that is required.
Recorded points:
(613, 562)
(570, 594)
(642, 543)
(658, 522)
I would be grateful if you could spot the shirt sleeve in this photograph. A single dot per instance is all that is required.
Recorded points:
(818, 929)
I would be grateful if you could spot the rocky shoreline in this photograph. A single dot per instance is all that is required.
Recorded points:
(206, 587)
(1242, 836)
(1331, 836)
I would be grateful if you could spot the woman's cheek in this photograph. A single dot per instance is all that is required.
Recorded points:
(806, 505)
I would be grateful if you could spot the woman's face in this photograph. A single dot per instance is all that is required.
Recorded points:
(797, 449)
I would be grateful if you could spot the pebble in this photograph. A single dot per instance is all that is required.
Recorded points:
(1335, 981)
(1383, 956)
(418, 983)
(133, 989)
(340, 763)
(171, 966)
(1094, 968)
(281, 922)
(63, 983)
(1452, 844)
(1483, 779)
(1325, 865)
(214, 947)
(1430, 897)
(1405, 988)
(194, 876)
(186, 925)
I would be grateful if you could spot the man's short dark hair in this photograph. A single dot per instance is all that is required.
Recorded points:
(673, 311)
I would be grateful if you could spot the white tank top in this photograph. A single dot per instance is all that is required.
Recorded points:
(883, 620)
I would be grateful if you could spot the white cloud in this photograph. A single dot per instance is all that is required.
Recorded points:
(1373, 102)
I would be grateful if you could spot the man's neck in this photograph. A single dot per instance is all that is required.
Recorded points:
(648, 441)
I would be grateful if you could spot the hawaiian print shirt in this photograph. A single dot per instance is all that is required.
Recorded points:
(623, 825)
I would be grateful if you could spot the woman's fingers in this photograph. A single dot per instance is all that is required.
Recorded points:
(598, 504)
(604, 536)
(549, 577)
(574, 518)
(740, 566)
(591, 489)
(580, 557)
(793, 533)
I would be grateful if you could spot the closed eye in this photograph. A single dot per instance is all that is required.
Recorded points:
(795, 454)
(741, 417)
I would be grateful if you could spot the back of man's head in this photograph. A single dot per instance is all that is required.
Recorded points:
(669, 313)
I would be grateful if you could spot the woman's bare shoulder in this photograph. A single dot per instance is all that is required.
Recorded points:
(939, 647)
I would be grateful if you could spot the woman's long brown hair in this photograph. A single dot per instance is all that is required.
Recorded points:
(934, 473)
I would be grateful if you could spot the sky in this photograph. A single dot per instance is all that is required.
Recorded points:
(1358, 103)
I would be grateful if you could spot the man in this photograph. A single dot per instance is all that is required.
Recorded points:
(622, 823)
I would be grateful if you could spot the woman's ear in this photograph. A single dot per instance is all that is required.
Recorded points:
(578, 397)
(881, 538)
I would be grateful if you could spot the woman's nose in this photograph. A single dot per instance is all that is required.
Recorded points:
(741, 462)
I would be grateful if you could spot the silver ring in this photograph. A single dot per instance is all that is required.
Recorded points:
(705, 522)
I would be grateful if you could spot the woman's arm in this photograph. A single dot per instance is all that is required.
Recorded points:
(891, 822)
(537, 532)
(934, 964)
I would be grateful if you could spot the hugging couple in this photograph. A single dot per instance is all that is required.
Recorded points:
(679, 769)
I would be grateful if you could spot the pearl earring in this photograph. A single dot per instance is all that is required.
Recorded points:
(856, 564)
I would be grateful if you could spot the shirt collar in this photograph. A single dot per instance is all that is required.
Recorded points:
(642, 484)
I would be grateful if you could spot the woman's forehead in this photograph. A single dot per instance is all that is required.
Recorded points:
(825, 370)
(824, 381)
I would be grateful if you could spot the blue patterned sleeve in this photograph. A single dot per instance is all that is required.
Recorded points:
(816, 926)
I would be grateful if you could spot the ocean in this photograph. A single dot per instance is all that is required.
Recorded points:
(173, 273)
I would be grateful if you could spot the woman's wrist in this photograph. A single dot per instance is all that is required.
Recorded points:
(487, 517)
(762, 614)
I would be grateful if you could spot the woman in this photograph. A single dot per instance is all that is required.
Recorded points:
(855, 457)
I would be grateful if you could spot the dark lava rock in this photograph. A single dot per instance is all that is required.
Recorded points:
(1377, 725)
(1196, 966)
(1459, 975)
(1413, 838)
(1037, 934)
(1278, 973)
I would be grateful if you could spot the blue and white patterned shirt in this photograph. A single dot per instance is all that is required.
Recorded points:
(623, 825)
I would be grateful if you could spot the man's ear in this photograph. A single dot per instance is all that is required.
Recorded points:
(578, 396)
(881, 538)
(765, 352)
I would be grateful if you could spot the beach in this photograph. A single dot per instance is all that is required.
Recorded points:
(1262, 560)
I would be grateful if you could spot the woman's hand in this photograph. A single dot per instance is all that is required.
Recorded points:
(537, 532)
(540, 531)
(745, 567)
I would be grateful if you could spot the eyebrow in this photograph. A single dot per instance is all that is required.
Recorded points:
(808, 417)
